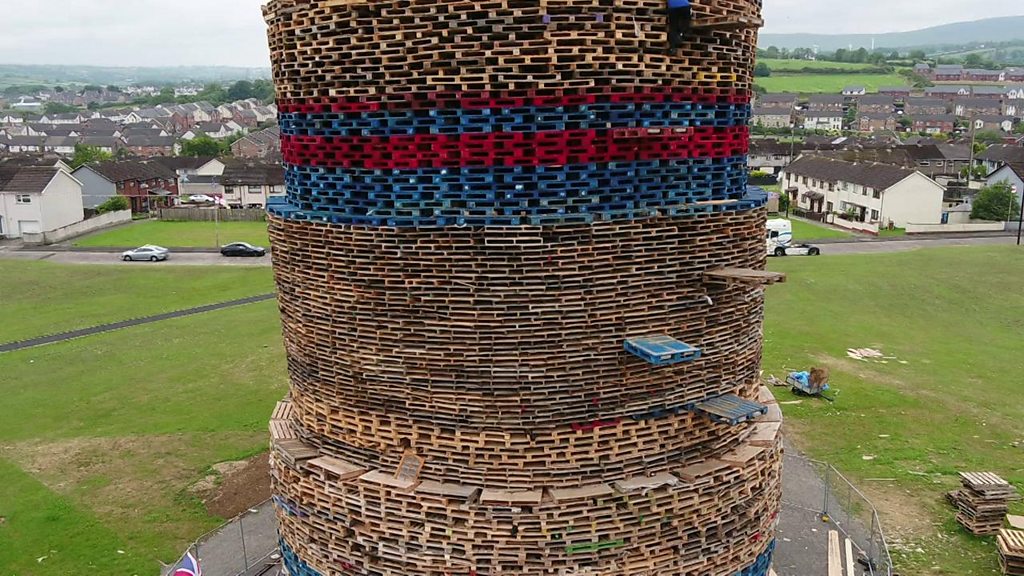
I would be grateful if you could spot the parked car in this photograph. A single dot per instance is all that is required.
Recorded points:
(146, 253)
(798, 250)
(243, 250)
(201, 199)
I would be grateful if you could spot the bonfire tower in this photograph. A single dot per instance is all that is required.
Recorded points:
(521, 281)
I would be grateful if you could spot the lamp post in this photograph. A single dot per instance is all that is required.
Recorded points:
(1020, 222)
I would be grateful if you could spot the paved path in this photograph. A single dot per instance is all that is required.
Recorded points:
(43, 340)
(114, 259)
(802, 535)
(211, 258)
(888, 246)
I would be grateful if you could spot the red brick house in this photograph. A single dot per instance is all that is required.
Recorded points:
(265, 144)
(934, 123)
(876, 122)
(147, 185)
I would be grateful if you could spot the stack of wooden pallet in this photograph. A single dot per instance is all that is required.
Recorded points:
(1011, 552)
(982, 502)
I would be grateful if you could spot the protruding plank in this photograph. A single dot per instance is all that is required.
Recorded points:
(743, 276)
(584, 493)
(849, 558)
(510, 497)
(340, 468)
(644, 483)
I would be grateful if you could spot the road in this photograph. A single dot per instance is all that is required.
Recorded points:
(215, 259)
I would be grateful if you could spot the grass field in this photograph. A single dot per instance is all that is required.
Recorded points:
(827, 83)
(782, 65)
(101, 437)
(808, 232)
(40, 298)
(178, 234)
(956, 317)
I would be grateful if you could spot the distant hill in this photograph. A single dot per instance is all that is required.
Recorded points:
(989, 30)
(102, 75)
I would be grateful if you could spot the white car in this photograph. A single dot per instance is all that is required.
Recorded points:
(201, 199)
(146, 253)
(797, 250)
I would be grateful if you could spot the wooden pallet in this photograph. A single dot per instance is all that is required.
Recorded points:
(983, 502)
(1011, 552)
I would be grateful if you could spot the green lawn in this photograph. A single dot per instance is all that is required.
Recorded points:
(40, 298)
(956, 317)
(101, 437)
(808, 232)
(782, 65)
(828, 83)
(178, 234)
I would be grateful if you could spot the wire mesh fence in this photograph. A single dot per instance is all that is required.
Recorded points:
(833, 499)
(246, 544)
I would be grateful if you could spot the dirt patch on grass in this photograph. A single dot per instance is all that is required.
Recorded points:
(236, 486)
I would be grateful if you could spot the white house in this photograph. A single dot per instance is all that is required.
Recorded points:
(214, 130)
(38, 199)
(11, 119)
(876, 194)
(26, 103)
(855, 91)
(1012, 174)
(249, 184)
(832, 121)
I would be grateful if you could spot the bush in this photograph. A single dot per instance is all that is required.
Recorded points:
(114, 204)
(996, 203)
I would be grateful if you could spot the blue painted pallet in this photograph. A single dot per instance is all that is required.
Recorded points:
(661, 350)
(730, 409)
(587, 117)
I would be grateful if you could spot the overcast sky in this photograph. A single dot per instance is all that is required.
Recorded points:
(231, 32)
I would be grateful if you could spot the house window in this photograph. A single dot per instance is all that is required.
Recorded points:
(874, 215)
(23, 199)
(805, 180)
(877, 194)
(255, 190)
(845, 187)
(831, 186)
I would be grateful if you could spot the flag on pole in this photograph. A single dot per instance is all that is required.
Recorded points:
(188, 566)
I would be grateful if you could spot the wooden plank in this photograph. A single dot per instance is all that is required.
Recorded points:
(835, 554)
(849, 558)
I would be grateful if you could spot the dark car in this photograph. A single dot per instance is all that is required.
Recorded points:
(243, 250)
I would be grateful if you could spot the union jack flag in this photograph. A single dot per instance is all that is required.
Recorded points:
(188, 566)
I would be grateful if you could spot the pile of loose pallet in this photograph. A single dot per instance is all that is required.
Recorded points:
(1011, 552)
(487, 203)
(982, 502)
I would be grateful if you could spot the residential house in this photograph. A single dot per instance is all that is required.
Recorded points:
(266, 113)
(265, 144)
(998, 155)
(764, 117)
(777, 99)
(988, 91)
(1012, 108)
(226, 112)
(854, 91)
(1014, 74)
(826, 103)
(922, 105)
(196, 176)
(69, 118)
(947, 92)
(214, 130)
(948, 73)
(899, 92)
(993, 123)
(147, 185)
(10, 120)
(1013, 93)
(109, 144)
(770, 155)
(934, 123)
(967, 107)
(23, 144)
(27, 104)
(62, 145)
(876, 121)
(934, 160)
(1012, 174)
(147, 146)
(876, 104)
(924, 69)
(873, 193)
(248, 183)
(35, 199)
(823, 120)
(982, 75)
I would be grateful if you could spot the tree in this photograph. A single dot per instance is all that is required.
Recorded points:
(974, 60)
(762, 70)
(996, 202)
(85, 154)
(114, 204)
(989, 136)
(58, 89)
(58, 108)
(113, 88)
(241, 90)
(201, 146)
(264, 90)
(92, 88)
(976, 173)
(917, 55)
(772, 52)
